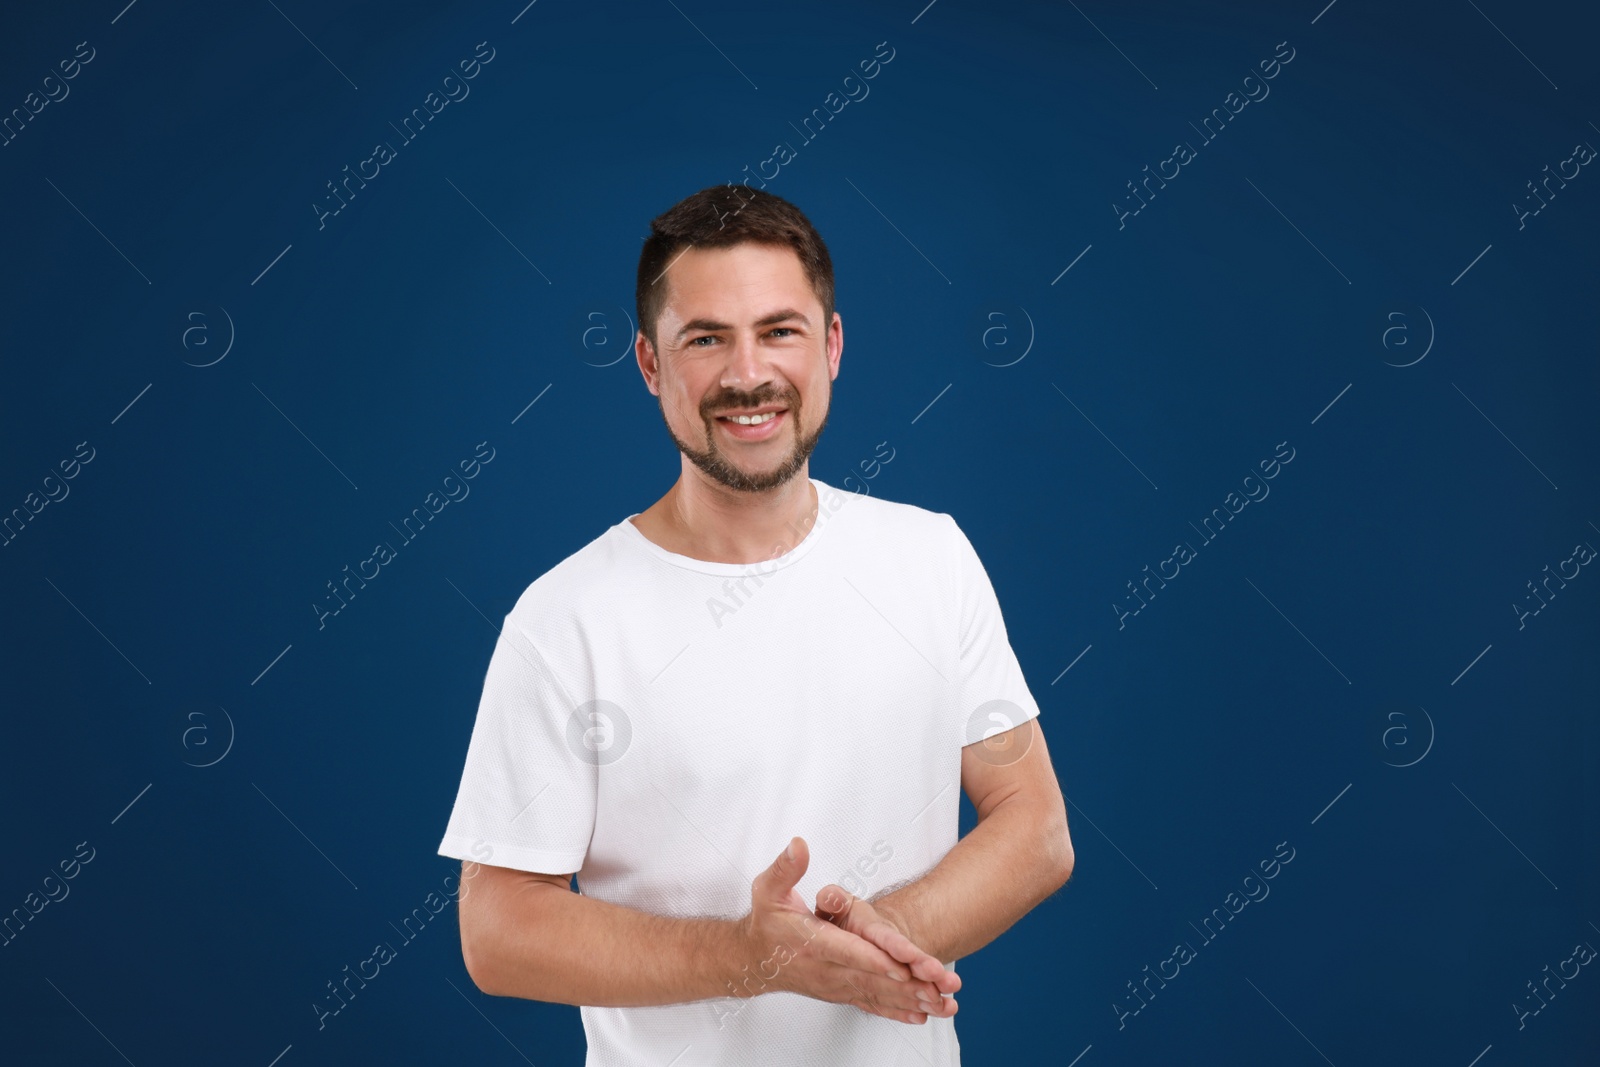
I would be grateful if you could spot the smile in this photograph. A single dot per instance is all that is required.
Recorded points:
(764, 426)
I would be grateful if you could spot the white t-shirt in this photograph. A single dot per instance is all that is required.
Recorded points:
(664, 725)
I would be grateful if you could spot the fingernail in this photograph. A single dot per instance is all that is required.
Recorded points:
(788, 852)
(896, 975)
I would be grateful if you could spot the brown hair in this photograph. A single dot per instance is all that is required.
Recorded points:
(719, 217)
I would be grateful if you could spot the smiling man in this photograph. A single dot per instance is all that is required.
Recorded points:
(715, 780)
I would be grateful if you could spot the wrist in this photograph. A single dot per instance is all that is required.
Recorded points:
(733, 953)
(892, 910)
(745, 967)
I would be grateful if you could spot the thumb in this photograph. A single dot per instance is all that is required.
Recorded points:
(778, 880)
(833, 903)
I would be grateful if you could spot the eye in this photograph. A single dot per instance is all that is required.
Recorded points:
(695, 343)
(783, 329)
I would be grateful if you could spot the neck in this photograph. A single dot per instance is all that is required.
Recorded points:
(714, 522)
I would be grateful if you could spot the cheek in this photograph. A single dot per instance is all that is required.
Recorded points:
(679, 396)
(818, 397)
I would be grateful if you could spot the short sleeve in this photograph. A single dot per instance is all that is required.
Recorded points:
(993, 694)
(527, 793)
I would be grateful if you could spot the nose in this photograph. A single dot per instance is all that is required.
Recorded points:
(748, 370)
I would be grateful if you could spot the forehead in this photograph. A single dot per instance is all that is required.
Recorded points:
(748, 276)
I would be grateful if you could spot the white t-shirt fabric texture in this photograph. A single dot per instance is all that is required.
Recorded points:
(663, 725)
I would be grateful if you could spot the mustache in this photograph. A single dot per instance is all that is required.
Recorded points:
(737, 403)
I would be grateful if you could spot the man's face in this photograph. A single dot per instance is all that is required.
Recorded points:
(742, 332)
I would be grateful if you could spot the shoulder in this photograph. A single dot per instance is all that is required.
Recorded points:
(584, 577)
(920, 540)
(896, 522)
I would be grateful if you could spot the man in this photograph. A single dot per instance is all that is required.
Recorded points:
(756, 672)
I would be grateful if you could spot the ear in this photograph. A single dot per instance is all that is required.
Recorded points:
(835, 345)
(645, 353)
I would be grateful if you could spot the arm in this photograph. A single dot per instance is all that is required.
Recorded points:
(528, 935)
(1018, 854)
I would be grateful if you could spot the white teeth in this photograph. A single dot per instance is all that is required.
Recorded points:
(752, 420)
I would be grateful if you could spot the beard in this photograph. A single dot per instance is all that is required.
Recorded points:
(716, 464)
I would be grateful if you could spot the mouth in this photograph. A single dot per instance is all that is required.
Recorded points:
(759, 431)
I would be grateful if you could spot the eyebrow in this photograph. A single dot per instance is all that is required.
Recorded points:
(781, 315)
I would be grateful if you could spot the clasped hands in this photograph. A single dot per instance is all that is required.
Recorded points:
(846, 951)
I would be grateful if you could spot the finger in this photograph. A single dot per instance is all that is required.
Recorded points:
(914, 1017)
(849, 913)
(848, 950)
(845, 948)
(944, 1008)
(839, 906)
(949, 982)
(842, 947)
(774, 884)
(921, 964)
(889, 999)
(902, 996)
(833, 902)
(931, 970)
(888, 937)
(885, 1013)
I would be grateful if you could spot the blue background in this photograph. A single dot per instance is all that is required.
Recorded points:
(1342, 669)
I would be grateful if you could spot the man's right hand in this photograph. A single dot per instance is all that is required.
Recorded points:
(791, 950)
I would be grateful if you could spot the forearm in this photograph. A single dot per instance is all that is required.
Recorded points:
(541, 942)
(1008, 864)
